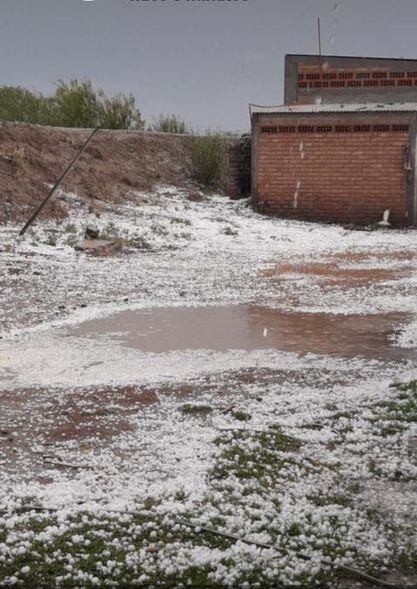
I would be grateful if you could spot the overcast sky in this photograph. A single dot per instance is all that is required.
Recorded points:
(202, 59)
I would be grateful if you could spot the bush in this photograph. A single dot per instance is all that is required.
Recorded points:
(208, 160)
(74, 104)
(171, 124)
(119, 112)
(19, 104)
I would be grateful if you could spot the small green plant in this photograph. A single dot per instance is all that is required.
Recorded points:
(294, 529)
(230, 231)
(109, 232)
(183, 235)
(71, 240)
(52, 240)
(159, 229)
(189, 409)
(70, 228)
(354, 488)
(241, 416)
(180, 221)
(139, 242)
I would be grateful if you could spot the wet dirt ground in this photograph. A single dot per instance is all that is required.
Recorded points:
(47, 432)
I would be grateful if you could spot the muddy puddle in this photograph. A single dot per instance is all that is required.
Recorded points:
(247, 327)
(334, 274)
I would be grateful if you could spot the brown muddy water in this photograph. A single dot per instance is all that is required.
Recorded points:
(247, 327)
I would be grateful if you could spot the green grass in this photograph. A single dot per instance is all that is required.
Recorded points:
(257, 464)
(323, 500)
(264, 460)
(105, 538)
(406, 559)
(119, 539)
(380, 420)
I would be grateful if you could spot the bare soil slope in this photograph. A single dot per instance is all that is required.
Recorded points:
(114, 165)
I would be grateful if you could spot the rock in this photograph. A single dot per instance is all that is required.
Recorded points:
(100, 247)
(91, 232)
(95, 208)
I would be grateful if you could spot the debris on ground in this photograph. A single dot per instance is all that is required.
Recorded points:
(100, 247)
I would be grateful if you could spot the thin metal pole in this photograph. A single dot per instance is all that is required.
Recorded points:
(319, 35)
(58, 182)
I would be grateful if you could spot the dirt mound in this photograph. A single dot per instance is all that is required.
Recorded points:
(114, 165)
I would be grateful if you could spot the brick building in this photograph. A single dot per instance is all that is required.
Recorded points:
(332, 79)
(331, 158)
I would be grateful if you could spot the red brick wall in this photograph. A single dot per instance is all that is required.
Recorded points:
(349, 79)
(347, 177)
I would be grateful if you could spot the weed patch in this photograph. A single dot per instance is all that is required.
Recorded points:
(201, 410)
(52, 240)
(230, 231)
(180, 221)
(70, 228)
(241, 416)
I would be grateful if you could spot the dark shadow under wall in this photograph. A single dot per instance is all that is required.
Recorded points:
(239, 168)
